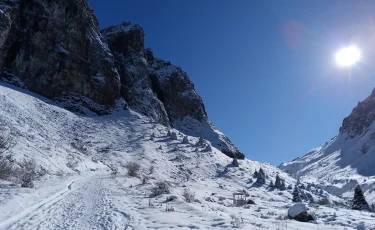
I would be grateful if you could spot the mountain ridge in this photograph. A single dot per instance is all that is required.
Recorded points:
(62, 54)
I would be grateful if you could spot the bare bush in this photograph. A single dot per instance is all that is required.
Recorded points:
(133, 168)
(188, 195)
(160, 188)
(324, 201)
(72, 163)
(6, 138)
(151, 169)
(236, 221)
(144, 180)
(28, 173)
(60, 173)
(6, 168)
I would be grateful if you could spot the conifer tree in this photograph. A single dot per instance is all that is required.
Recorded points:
(359, 201)
(296, 194)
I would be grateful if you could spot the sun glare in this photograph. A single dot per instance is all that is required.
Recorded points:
(348, 56)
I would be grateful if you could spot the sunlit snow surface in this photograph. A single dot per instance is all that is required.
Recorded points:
(94, 199)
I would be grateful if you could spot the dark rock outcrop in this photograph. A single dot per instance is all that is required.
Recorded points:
(361, 117)
(159, 89)
(55, 47)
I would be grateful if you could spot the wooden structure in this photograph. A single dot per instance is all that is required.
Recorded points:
(239, 198)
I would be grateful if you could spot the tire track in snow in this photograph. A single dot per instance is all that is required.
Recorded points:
(84, 206)
(45, 203)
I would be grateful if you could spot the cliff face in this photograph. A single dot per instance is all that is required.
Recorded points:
(159, 89)
(361, 117)
(55, 48)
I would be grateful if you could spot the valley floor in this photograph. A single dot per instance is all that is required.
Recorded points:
(101, 201)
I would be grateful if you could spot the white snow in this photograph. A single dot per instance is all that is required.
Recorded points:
(86, 195)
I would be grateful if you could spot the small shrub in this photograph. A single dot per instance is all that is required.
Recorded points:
(250, 202)
(170, 198)
(188, 195)
(236, 221)
(324, 201)
(60, 173)
(133, 169)
(160, 188)
(28, 173)
(145, 180)
(6, 138)
(6, 168)
(151, 169)
(72, 163)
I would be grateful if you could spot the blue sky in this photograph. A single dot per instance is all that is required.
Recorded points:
(265, 69)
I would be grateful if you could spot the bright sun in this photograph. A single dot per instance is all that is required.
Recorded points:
(348, 56)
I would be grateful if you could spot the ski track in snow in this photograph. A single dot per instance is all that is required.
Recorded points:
(87, 205)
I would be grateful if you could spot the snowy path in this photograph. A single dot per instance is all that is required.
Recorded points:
(86, 205)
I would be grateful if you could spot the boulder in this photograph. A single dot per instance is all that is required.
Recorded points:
(299, 212)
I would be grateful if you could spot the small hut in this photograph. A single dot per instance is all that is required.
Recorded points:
(239, 198)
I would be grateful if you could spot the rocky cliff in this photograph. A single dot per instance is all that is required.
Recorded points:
(55, 48)
(361, 118)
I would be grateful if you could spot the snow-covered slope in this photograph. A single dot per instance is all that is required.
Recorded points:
(347, 159)
(78, 191)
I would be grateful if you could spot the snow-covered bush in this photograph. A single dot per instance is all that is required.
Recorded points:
(144, 180)
(324, 201)
(72, 162)
(28, 173)
(188, 195)
(160, 188)
(133, 168)
(6, 168)
(6, 138)
(236, 221)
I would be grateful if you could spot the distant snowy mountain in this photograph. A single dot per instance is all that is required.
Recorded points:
(348, 158)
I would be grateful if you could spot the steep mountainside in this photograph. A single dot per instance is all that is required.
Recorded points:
(348, 158)
(77, 190)
(57, 50)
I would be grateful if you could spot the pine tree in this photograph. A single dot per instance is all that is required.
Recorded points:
(271, 184)
(261, 179)
(235, 163)
(359, 200)
(256, 174)
(283, 187)
(278, 182)
(262, 172)
(296, 194)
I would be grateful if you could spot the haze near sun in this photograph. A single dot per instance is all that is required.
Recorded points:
(348, 56)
